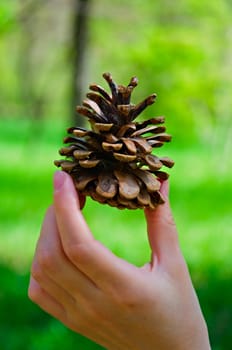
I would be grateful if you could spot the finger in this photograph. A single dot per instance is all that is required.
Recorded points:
(162, 232)
(51, 261)
(71, 224)
(90, 257)
(52, 288)
(44, 300)
(106, 270)
(72, 318)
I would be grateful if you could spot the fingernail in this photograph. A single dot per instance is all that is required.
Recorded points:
(59, 179)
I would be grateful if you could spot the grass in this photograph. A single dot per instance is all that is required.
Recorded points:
(201, 201)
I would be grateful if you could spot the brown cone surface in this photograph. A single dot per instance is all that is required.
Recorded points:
(113, 162)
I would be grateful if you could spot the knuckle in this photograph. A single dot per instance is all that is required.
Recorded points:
(34, 293)
(130, 304)
(71, 251)
(36, 271)
(168, 221)
(46, 260)
(78, 253)
(129, 299)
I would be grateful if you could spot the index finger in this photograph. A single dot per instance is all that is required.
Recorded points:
(70, 221)
(94, 260)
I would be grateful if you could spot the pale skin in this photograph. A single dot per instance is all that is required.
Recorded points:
(80, 282)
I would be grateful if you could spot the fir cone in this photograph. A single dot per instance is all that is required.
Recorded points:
(113, 162)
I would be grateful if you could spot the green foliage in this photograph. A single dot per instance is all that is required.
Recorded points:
(181, 51)
(7, 13)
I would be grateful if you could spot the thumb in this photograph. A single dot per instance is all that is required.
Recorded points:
(161, 228)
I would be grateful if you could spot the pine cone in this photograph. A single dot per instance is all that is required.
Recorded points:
(113, 162)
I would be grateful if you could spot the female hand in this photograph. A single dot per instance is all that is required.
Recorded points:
(116, 304)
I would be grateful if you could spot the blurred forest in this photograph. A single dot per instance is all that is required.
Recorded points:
(49, 53)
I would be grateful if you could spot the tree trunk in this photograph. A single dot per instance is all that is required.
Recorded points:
(32, 101)
(78, 54)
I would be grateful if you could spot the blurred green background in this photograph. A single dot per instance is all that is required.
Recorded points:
(49, 52)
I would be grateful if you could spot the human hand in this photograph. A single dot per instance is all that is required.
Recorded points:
(116, 304)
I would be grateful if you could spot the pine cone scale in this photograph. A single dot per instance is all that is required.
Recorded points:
(107, 186)
(128, 186)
